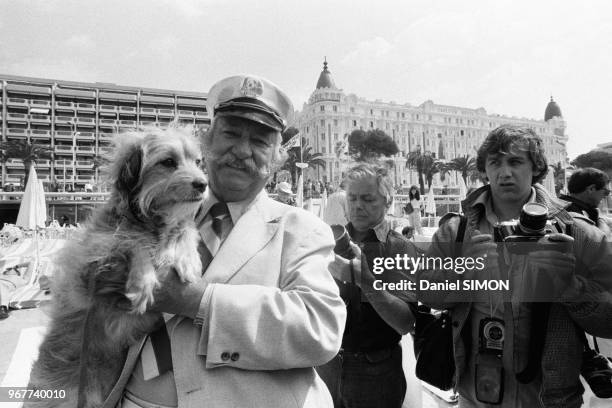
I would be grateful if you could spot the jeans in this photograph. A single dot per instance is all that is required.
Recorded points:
(366, 379)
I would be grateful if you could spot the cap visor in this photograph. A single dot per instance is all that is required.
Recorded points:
(253, 116)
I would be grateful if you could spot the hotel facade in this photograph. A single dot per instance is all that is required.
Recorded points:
(446, 132)
(78, 121)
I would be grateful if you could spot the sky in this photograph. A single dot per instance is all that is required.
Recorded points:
(508, 57)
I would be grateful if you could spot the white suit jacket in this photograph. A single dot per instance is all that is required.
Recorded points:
(270, 313)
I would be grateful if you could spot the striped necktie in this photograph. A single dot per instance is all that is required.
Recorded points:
(215, 227)
(156, 355)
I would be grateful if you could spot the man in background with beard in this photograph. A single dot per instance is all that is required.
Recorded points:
(267, 309)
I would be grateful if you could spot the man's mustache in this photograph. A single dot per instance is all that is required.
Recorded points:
(246, 164)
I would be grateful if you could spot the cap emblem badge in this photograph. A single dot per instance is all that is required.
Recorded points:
(251, 87)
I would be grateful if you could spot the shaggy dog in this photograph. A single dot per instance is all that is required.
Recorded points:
(107, 276)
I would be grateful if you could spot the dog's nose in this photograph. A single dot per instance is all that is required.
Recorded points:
(199, 185)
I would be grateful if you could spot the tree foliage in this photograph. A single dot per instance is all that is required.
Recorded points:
(25, 151)
(465, 165)
(559, 176)
(313, 160)
(425, 165)
(598, 158)
(370, 145)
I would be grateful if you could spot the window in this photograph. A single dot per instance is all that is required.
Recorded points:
(371, 111)
(337, 165)
(354, 123)
(387, 126)
(371, 124)
(322, 136)
(322, 108)
(323, 149)
(417, 116)
(352, 109)
(335, 122)
(335, 108)
(322, 122)
(335, 137)
(462, 133)
(403, 115)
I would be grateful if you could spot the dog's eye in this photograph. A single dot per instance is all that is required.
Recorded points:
(198, 162)
(168, 163)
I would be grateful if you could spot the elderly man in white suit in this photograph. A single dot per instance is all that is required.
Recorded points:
(267, 309)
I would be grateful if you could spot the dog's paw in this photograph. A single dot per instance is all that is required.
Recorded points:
(140, 292)
(189, 267)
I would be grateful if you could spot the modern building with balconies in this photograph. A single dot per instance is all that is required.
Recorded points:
(79, 120)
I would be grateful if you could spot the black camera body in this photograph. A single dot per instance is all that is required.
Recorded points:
(597, 371)
(530, 232)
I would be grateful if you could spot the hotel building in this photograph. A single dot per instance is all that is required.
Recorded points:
(78, 121)
(330, 115)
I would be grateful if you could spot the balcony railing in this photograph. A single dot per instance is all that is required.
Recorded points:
(86, 121)
(63, 135)
(40, 134)
(127, 109)
(84, 164)
(127, 123)
(186, 114)
(200, 114)
(85, 149)
(85, 136)
(64, 119)
(64, 149)
(43, 163)
(40, 118)
(107, 122)
(108, 108)
(165, 112)
(14, 163)
(16, 117)
(17, 132)
(62, 105)
(38, 103)
(62, 163)
(148, 123)
(88, 107)
(105, 136)
(148, 111)
(85, 178)
(17, 102)
(105, 150)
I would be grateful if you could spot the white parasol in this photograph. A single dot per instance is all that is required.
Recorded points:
(430, 204)
(33, 208)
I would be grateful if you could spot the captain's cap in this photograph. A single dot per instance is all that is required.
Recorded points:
(250, 97)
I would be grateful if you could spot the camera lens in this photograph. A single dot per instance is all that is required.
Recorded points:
(533, 219)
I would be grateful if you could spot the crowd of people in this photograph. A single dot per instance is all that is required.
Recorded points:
(280, 320)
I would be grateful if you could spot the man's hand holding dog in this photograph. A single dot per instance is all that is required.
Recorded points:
(175, 297)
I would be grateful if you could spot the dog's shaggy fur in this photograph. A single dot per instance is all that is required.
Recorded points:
(146, 229)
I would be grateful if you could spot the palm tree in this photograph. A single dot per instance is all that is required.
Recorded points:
(423, 163)
(465, 165)
(27, 152)
(313, 160)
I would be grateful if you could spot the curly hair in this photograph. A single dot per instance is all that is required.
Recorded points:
(507, 137)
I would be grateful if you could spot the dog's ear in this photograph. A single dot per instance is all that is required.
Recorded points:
(130, 171)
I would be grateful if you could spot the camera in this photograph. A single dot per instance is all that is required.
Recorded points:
(530, 232)
(597, 372)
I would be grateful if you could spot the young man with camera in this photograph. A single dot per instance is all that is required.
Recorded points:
(520, 348)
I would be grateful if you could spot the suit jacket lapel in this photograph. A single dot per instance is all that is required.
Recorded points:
(253, 231)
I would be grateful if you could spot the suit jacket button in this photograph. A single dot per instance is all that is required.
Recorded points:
(235, 356)
(225, 356)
